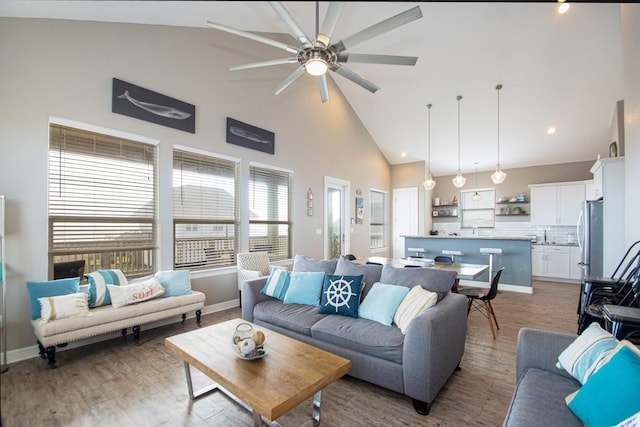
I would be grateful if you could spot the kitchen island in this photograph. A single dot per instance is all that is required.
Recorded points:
(516, 255)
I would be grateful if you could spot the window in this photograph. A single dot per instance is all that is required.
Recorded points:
(270, 211)
(478, 208)
(378, 227)
(102, 201)
(205, 211)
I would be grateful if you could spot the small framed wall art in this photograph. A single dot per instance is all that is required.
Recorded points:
(140, 103)
(248, 136)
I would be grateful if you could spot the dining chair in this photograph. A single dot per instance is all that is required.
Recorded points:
(479, 299)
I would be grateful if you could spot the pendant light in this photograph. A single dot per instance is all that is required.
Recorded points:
(476, 195)
(498, 176)
(429, 183)
(459, 180)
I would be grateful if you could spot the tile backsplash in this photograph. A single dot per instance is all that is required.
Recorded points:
(555, 234)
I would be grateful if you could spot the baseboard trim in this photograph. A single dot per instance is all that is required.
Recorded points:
(30, 352)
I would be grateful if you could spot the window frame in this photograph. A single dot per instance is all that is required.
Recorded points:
(385, 219)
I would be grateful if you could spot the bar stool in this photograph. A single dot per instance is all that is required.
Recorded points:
(491, 252)
(453, 254)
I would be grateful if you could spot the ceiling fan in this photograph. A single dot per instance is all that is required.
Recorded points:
(320, 54)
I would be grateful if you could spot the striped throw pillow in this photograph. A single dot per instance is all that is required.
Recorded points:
(98, 281)
(277, 283)
(585, 354)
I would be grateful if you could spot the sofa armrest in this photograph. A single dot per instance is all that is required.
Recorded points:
(250, 296)
(540, 349)
(433, 347)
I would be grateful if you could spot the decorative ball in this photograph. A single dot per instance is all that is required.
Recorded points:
(247, 346)
(258, 338)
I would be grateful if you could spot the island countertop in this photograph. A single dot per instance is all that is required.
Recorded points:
(515, 257)
(442, 236)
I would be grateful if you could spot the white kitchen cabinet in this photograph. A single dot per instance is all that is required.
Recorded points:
(574, 267)
(557, 204)
(590, 190)
(552, 262)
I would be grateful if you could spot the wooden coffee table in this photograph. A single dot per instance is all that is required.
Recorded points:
(290, 373)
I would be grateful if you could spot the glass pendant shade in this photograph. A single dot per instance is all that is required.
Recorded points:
(498, 176)
(459, 180)
(429, 183)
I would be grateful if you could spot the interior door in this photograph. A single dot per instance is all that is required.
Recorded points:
(405, 217)
(336, 218)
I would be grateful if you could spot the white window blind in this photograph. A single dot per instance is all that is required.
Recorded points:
(205, 211)
(478, 208)
(102, 201)
(270, 212)
(378, 222)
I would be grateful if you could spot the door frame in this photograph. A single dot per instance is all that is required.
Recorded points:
(345, 187)
(414, 193)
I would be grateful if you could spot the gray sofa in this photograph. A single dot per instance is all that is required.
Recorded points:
(541, 387)
(417, 364)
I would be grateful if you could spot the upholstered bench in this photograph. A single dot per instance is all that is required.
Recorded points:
(58, 323)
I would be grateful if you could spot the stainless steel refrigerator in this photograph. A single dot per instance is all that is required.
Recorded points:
(590, 233)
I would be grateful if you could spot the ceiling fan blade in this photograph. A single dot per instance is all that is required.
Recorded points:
(254, 37)
(329, 24)
(377, 59)
(347, 73)
(284, 14)
(292, 78)
(324, 89)
(379, 28)
(264, 64)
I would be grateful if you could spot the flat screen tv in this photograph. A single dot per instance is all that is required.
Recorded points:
(63, 270)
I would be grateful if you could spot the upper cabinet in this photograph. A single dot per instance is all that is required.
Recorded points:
(557, 204)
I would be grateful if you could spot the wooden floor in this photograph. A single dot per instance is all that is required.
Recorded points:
(115, 383)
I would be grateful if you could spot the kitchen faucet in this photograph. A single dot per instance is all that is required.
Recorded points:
(475, 230)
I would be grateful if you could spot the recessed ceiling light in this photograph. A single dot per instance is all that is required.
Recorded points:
(564, 7)
(403, 154)
(551, 130)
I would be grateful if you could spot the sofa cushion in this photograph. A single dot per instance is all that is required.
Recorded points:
(305, 263)
(277, 283)
(361, 335)
(370, 272)
(305, 288)
(174, 282)
(295, 317)
(341, 295)
(539, 400)
(98, 281)
(438, 281)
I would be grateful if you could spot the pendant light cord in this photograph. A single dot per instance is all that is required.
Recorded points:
(498, 87)
(429, 140)
(459, 97)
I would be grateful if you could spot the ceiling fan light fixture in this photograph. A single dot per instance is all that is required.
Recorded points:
(316, 66)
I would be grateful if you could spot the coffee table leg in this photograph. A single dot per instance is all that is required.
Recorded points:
(203, 392)
(317, 400)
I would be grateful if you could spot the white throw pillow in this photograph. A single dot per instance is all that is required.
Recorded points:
(63, 306)
(413, 303)
(131, 294)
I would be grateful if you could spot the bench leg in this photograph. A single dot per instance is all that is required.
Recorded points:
(124, 332)
(41, 350)
(51, 356)
(136, 334)
(184, 317)
(198, 316)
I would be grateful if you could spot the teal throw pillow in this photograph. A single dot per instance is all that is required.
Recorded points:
(175, 283)
(341, 295)
(49, 288)
(277, 283)
(381, 302)
(98, 281)
(305, 288)
(612, 394)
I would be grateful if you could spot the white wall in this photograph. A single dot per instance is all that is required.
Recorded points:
(65, 69)
(630, 14)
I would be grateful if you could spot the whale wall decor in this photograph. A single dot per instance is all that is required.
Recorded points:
(140, 103)
(248, 136)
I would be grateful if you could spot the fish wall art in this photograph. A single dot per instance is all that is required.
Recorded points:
(144, 104)
(248, 136)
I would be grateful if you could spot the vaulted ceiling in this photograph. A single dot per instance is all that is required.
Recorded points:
(557, 70)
